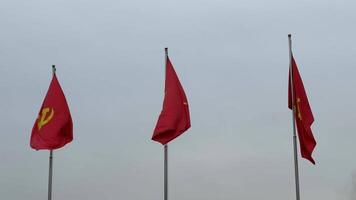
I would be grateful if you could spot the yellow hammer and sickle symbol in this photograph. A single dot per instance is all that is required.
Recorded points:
(298, 109)
(43, 119)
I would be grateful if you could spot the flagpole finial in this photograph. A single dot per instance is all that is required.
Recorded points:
(166, 50)
(54, 69)
(289, 35)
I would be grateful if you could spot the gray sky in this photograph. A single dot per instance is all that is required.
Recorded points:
(232, 59)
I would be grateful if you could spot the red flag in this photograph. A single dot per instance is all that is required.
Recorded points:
(53, 128)
(174, 118)
(303, 114)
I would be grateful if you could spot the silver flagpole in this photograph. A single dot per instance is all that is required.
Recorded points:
(165, 172)
(296, 170)
(50, 175)
(51, 158)
(166, 148)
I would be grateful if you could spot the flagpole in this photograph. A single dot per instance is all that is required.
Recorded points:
(296, 168)
(166, 147)
(165, 172)
(50, 175)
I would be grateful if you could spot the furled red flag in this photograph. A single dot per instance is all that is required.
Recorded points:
(174, 118)
(303, 113)
(53, 127)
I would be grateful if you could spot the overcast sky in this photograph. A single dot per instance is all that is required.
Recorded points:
(232, 59)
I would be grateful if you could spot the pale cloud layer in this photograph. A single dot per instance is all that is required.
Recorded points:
(232, 59)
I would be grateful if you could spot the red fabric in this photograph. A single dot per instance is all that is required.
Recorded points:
(303, 114)
(53, 128)
(174, 118)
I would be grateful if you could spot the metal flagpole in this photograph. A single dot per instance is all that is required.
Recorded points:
(51, 158)
(166, 147)
(50, 175)
(165, 172)
(296, 170)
